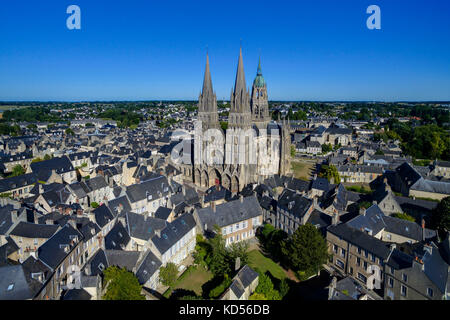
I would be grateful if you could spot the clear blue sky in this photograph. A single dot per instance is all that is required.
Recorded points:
(142, 50)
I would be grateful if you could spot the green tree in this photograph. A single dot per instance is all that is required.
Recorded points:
(292, 150)
(326, 147)
(440, 217)
(121, 285)
(47, 157)
(94, 204)
(266, 288)
(168, 274)
(219, 262)
(306, 250)
(70, 132)
(330, 173)
(257, 296)
(17, 170)
(284, 287)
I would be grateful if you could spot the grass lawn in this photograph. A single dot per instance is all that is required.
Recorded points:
(195, 280)
(302, 169)
(258, 260)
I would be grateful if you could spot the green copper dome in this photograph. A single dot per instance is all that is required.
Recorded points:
(259, 80)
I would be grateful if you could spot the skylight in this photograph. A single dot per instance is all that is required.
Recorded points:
(10, 287)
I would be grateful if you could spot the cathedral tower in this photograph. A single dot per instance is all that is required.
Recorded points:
(259, 100)
(207, 102)
(240, 113)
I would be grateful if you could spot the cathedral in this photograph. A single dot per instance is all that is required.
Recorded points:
(252, 147)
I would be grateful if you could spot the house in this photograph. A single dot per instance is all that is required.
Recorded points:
(242, 286)
(147, 271)
(358, 173)
(176, 241)
(30, 236)
(422, 274)
(237, 219)
(60, 254)
(141, 228)
(149, 195)
(118, 238)
(357, 254)
(389, 229)
(313, 147)
(54, 170)
(20, 186)
(441, 169)
(293, 210)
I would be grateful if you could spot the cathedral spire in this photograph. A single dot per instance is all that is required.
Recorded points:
(239, 85)
(207, 83)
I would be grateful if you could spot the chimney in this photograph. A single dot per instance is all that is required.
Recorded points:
(335, 219)
(237, 264)
(213, 206)
(183, 189)
(362, 211)
(41, 188)
(423, 229)
(331, 288)
(241, 197)
(119, 208)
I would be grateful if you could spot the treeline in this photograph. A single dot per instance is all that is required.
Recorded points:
(32, 114)
(421, 142)
(124, 117)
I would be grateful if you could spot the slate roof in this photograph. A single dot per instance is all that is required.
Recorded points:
(294, 203)
(149, 265)
(173, 232)
(242, 280)
(320, 184)
(163, 213)
(360, 239)
(142, 227)
(117, 238)
(375, 220)
(229, 213)
(76, 294)
(103, 215)
(122, 259)
(17, 182)
(156, 187)
(5, 218)
(33, 230)
(44, 168)
(96, 183)
(115, 203)
(94, 263)
(52, 251)
(13, 278)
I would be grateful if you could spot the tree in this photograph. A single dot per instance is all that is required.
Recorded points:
(266, 288)
(168, 274)
(326, 147)
(69, 131)
(94, 204)
(257, 296)
(292, 150)
(329, 172)
(440, 217)
(284, 287)
(219, 262)
(238, 250)
(306, 250)
(121, 285)
(47, 157)
(17, 170)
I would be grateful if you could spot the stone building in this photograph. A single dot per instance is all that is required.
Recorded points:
(250, 149)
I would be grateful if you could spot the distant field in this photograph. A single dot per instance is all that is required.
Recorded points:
(6, 107)
(302, 169)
